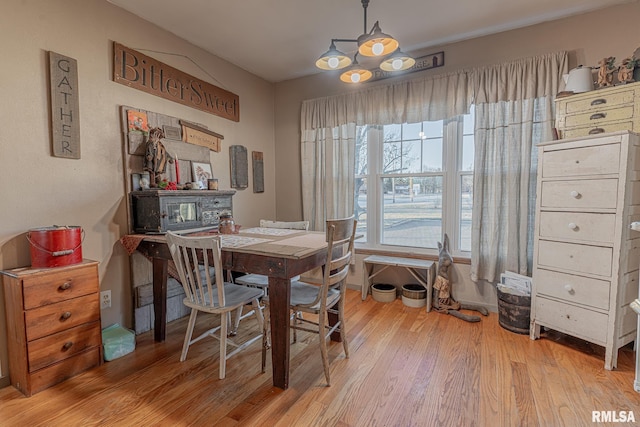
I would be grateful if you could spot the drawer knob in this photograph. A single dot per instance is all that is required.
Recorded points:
(569, 289)
(575, 194)
(64, 286)
(573, 226)
(596, 131)
(599, 101)
(67, 345)
(65, 315)
(597, 116)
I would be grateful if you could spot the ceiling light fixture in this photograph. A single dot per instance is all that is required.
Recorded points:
(372, 43)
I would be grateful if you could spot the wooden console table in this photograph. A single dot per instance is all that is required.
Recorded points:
(412, 265)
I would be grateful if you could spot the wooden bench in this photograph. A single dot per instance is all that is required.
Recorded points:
(412, 265)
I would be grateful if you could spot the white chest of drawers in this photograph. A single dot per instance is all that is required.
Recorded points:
(586, 259)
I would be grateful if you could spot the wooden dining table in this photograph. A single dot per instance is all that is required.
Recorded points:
(278, 254)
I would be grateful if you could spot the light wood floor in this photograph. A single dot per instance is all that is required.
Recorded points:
(407, 368)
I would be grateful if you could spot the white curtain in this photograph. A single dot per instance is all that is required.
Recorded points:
(328, 178)
(328, 134)
(514, 111)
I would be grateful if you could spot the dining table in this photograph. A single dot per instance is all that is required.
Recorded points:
(280, 254)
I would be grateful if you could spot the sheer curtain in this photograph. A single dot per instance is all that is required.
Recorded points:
(328, 134)
(514, 111)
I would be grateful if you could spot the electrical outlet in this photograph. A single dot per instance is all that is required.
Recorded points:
(105, 299)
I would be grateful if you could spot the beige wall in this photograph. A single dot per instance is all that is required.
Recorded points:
(588, 38)
(40, 190)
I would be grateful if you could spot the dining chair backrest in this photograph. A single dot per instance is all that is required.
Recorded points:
(340, 236)
(194, 258)
(293, 225)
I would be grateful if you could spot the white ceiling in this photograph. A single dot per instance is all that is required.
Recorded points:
(281, 39)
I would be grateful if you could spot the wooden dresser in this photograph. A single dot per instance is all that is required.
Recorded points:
(586, 258)
(53, 323)
(599, 111)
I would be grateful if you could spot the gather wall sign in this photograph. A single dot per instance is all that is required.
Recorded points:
(134, 69)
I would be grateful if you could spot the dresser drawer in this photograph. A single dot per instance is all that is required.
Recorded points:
(577, 321)
(59, 286)
(589, 161)
(58, 372)
(53, 318)
(632, 125)
(575, 289)
(590, 227)
(580, 194)
(575, 257)
(597, 100)
(593, 118)
(60, 346)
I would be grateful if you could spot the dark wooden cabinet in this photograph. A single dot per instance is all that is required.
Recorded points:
(53, 323)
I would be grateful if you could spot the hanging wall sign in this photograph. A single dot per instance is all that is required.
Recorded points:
(197, 135)
(239, 166)
(423, 63)
(133, 69)
(65, 114)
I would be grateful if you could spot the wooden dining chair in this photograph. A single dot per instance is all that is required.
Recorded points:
(195, 259)
(329, 297)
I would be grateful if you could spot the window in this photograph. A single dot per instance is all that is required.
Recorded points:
(414, 182)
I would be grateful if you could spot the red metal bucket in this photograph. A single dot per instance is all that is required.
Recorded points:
(55, 246)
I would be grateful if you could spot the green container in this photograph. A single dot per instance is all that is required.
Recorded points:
(117, 341)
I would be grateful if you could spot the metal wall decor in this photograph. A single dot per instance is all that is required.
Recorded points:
(239, 166)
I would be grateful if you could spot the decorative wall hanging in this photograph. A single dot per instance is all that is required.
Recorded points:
(136, 70)
(65, 111)
(423, 63)
(258, 171)
(239, 166)
(172, 132)
(197, 135)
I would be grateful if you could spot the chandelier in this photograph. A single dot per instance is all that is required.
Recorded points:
(374, 43)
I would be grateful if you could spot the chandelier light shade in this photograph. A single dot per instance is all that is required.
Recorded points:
(356, 74)
(397, 61)
(333, 59)
(373, 43)
(376, 44)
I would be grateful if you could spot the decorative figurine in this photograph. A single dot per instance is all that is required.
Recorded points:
(443, 301)
(605, 73)
(625, 71)
(155, 159)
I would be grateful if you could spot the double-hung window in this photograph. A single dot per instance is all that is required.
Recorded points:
(414, 182)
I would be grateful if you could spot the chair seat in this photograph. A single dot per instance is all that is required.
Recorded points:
(257, 280)
(303, 294)
(235, 296)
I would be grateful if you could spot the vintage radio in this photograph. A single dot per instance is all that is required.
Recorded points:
(159, 211)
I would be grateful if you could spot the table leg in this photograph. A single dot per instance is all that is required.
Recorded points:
(159, 298)
(279, 300)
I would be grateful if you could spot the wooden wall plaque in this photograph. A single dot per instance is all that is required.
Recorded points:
(239, 166)
(65, 111)
(197, 135)
(257, 158)
(133, 69)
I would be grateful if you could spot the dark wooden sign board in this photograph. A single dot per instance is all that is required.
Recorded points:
(65, 111)
(423, 63)
(133, 69)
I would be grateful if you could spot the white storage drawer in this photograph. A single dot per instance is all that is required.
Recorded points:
(587, 161)
(580, 194)
(574, 289)
(575, 257)
(591, 227)
(577, 321)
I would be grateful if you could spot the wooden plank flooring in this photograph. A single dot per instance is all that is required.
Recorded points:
(406, 368)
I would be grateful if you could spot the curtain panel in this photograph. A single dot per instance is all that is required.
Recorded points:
(514, 111)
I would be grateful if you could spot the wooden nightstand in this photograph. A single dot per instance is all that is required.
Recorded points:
(53, 323)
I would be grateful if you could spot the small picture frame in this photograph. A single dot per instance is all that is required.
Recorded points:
(201, 173)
